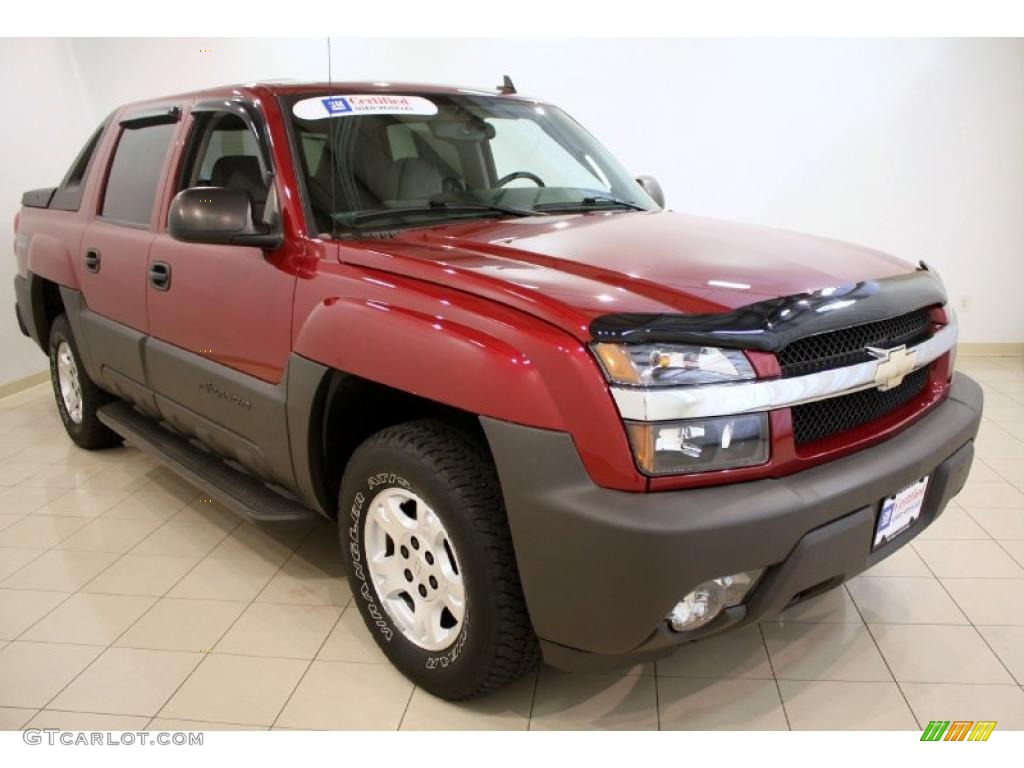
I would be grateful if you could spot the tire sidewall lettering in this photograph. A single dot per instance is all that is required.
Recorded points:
(452, 654)
(373, 485)
(365, 592)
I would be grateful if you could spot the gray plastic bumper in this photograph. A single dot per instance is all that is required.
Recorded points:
(602, 568)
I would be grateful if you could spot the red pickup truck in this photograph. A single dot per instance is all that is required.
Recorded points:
(550, 417)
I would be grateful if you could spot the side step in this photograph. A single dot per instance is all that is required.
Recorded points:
(234, 489)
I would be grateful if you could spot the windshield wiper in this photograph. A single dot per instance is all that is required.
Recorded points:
(434, 206)
(596, 201)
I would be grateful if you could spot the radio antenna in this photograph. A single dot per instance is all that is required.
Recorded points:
(331, 140)
(506, 86)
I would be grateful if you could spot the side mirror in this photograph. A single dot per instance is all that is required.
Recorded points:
(219, 216)
(652, 188)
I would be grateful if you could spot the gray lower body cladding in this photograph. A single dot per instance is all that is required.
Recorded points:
(261, 426)
(601, 569)
(22, 308)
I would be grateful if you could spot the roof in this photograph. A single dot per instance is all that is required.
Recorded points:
(292, 87)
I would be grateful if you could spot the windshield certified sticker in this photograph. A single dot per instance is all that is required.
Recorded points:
(369, 104)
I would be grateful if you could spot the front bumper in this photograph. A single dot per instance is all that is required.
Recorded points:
(602, 568)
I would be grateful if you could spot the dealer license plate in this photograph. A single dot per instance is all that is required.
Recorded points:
(899, 512)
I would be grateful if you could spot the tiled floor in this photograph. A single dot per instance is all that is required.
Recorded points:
(127, 600)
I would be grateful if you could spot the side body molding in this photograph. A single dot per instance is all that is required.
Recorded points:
(305, 380)
(236, 416)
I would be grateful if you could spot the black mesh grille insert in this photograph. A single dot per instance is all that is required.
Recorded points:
(814, 421)
(847, 347)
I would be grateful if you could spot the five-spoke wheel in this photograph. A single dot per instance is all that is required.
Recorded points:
(414, 568)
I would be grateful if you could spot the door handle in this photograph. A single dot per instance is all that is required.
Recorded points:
(92, 260)
(160, 275)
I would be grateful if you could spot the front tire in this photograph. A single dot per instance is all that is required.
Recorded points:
(78, 398)
(429, 557)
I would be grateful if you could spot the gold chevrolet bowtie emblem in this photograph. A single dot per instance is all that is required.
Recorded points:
(893, 365)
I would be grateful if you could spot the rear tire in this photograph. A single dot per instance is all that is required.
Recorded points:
(78, 398)
(452, 617)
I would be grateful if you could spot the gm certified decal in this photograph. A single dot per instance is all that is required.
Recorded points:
(320, 107)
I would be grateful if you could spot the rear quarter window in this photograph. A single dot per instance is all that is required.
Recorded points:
(68, 196)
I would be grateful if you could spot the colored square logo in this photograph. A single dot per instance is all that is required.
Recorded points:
(337, 105)
(886, 515)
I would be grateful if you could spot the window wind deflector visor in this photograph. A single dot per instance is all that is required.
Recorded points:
(152, 117)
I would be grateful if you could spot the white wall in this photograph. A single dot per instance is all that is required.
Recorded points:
(47, 119)
(912, 146)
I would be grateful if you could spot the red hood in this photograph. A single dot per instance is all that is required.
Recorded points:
(570, 269)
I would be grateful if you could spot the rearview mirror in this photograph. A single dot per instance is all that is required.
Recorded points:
(652, 188)
(477, 130)
(219, 216)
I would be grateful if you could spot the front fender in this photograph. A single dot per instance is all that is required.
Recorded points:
(429, 356)
(465, 351)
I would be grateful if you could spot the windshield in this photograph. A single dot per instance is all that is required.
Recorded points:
(388, 160)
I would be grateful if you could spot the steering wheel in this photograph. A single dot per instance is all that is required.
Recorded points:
(521, 175)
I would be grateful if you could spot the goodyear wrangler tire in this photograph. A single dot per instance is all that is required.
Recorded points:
(429, 558)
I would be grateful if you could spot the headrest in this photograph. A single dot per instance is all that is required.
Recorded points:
(416, 178)
(239, 172)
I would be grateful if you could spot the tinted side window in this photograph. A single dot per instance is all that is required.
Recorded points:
(225, 142)
(223, 152)
(135, 173)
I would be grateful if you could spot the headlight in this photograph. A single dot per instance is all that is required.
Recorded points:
(671, 365)
(694, 445)
(699, 445)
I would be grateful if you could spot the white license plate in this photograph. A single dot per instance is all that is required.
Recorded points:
(900, 511)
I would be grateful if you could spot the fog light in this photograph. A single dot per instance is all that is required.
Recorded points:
(710, 598)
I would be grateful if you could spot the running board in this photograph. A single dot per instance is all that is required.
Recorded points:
(236, 490)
